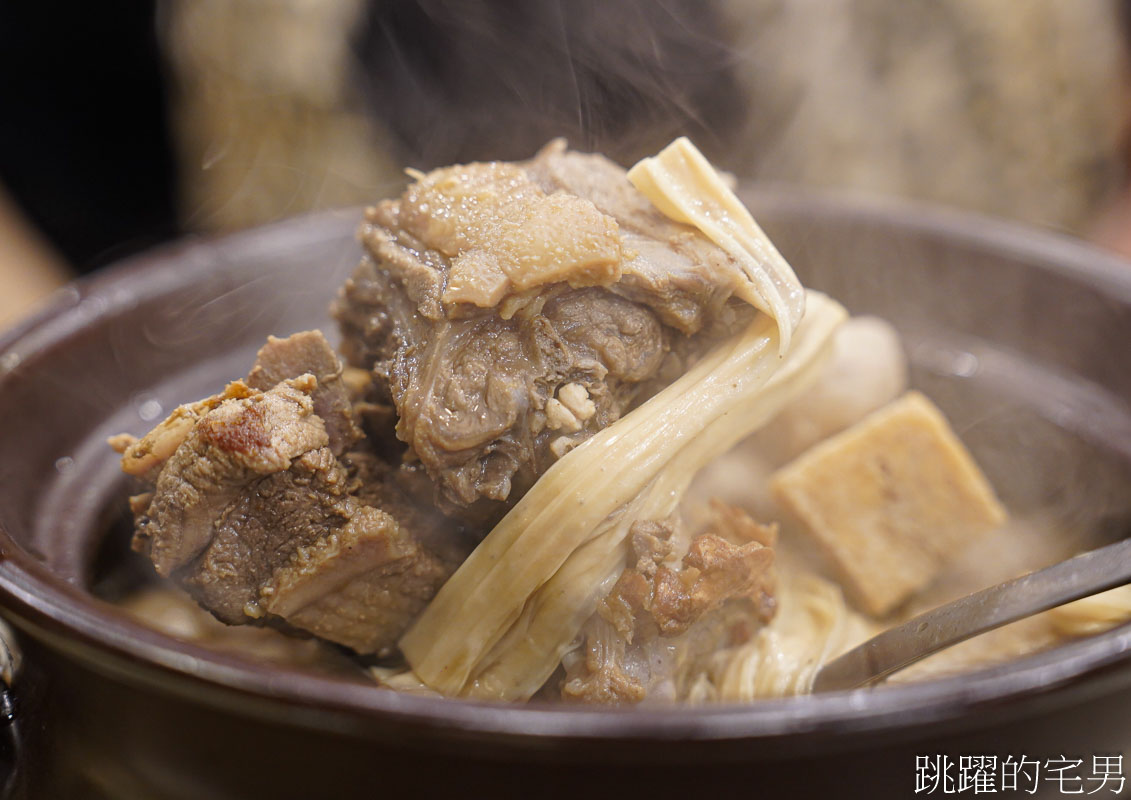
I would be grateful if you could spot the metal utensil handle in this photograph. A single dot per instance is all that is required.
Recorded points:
(1082, 576)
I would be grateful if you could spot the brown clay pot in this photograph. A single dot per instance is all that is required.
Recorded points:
(1022, 337)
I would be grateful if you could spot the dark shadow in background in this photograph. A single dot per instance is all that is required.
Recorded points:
(85, 146)
(464, 80)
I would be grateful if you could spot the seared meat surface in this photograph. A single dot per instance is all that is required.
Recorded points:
(240, 441)
(258, 517)
(501, 343)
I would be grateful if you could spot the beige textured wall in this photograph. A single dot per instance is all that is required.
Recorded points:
(1010, 108)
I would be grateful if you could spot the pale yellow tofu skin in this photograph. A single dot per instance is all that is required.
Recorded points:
(889, 501)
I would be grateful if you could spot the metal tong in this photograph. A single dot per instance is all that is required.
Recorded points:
(1081, 576)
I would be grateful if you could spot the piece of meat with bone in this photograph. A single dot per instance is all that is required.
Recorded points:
(653, 632)
(262, 515)
(510, 311)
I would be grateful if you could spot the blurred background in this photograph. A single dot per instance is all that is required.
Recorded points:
(124, 124)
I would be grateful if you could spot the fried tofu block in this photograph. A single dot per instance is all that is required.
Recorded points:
(889, 500)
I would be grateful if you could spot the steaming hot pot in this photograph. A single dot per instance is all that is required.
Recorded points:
(1021, 337)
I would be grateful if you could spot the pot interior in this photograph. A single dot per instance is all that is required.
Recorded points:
(1020, 337)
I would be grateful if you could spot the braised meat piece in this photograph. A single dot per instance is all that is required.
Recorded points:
(309, 353)
(260, 518)
(510, 311)
(665, 616)
(240, 441)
